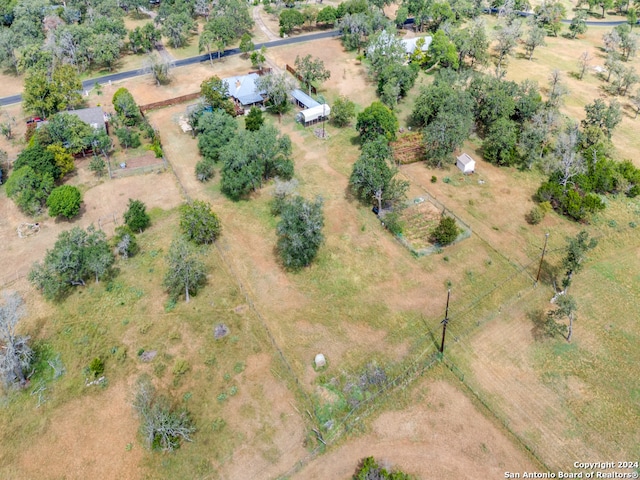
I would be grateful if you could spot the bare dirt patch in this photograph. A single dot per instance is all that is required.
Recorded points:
(442, 435)
(264, 413)
(68, 449)
(348, 76)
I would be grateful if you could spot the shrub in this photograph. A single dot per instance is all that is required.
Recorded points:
(98, 166)
(370, 470)
(64, 201)
(535, 215)
(124, 242)
(446, 231)
(205, 170)
(434, 179)
(393, 223)
(300, 232)
(96, 367)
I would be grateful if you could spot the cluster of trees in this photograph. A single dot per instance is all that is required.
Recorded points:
(129, 124)
(186, 271)
(47, 159)
(79, 255)
(373, 177)
(230, 20)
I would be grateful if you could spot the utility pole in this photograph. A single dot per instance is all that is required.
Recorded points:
(444, 322)
(544, 249)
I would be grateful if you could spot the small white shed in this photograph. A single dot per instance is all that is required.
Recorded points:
(466, 164)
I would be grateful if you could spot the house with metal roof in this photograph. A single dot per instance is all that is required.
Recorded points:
(243, 90)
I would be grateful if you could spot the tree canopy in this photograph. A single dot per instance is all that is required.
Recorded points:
(199, 223)
(300, 232)
(377, 119)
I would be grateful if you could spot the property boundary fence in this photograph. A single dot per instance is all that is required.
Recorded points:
(126, 172)
(293, 72)
(169, 102)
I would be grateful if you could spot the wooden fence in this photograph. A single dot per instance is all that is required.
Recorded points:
(169, 102)
(293, 72)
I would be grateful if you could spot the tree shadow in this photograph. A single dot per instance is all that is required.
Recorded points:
(539, 319)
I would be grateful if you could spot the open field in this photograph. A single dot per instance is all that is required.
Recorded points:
(255, 395)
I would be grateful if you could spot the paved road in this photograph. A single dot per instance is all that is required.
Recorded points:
(114, 77)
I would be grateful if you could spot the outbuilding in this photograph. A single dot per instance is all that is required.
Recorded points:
(466, 164)
(314, 114)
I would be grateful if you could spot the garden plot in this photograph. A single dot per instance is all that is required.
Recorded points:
(419, 220)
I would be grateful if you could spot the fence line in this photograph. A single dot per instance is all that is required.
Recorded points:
(169, 102)
(293, 72)
(126, 172)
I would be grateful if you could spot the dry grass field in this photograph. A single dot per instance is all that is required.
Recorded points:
(504, 399)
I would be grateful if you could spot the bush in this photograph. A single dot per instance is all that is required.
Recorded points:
(370, 470)
(64, 201)
(98, 166)
(446, 231)
(205, 170)
(535, 215)
(434, 179)
(392, 222)
(96, 367)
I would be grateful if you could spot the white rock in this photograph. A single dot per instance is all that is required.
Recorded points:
(320, 360)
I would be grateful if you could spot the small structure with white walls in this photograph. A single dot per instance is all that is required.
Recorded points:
(466, 164)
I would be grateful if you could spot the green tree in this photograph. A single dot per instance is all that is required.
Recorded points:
(565, 308)
(252, 157)
(246, 45)
(290, 19)
(186, 273)
(442, 52)
(277, 88)
(578, 24)
(377, 119)
(606, 118)
(444, 135)
(220, 30)
(158, 66)
(499, 145)
(327, 15)
(342, 111)
(446, 231)
(68, 130)
(45, 96)
(76, 255)
(125, 106)
(216, 94)
(300, 232)
(42, 161)
(535, 38)
(258, 57)
(136, 216)
(105, 49)
(373, 175)
(128, 138)
(311, 70)
(28, 189)
(64, 201)
(575, 255)
(254, 120)
(177, 27)
(215, 129)
(199, 223)
(62, 158)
